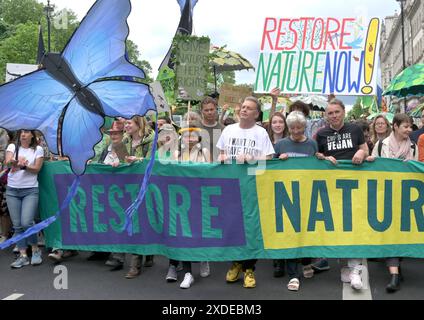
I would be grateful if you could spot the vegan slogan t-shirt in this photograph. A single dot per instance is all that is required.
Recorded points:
(342, 144)
(236, 141)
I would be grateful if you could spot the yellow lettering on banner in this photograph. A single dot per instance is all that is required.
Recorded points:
(302, 208)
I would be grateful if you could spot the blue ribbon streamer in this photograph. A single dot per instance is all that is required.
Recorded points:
(45, 223)
(129, 213)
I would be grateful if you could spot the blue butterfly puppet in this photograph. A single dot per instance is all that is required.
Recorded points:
(68, 98)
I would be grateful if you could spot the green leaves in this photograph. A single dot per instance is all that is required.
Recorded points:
(19, 21)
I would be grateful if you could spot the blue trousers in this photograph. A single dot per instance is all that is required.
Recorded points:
(23, 207)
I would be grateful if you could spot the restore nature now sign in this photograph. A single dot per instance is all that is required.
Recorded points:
(218, 212)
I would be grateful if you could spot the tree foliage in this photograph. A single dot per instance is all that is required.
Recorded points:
(15, 12)
(356, 111)
(134, 57)
(19, 20)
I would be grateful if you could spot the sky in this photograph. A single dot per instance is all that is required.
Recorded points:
(236, 23)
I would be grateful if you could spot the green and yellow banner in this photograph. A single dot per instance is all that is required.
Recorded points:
(222, 212)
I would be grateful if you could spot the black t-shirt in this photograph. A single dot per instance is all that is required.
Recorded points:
(342, 144)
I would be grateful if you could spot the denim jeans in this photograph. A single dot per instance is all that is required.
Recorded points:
(23, 207)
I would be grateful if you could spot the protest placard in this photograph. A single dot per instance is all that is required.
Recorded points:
(232, 95)
(317, 55)
(15, 70)
(192, 56)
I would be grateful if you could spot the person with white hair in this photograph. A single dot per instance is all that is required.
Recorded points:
(297, 144)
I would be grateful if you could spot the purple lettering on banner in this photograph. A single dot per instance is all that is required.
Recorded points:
(226, 219)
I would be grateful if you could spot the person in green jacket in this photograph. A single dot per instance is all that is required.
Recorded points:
(139, 139)
(139, 143)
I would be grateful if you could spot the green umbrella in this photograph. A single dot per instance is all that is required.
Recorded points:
(225, 60)
(410, 82)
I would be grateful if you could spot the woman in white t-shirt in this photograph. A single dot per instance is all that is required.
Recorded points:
(25, 159)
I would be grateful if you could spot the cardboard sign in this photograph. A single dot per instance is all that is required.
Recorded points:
(192, 66)
(319, 56)
(159, 96)
(232, 95)
(14, 70)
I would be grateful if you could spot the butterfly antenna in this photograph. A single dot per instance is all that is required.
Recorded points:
(59, 132)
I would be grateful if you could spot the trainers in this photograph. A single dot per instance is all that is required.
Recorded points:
(234, 272)
(56, 256)
(321, 265)
(20, 262)
(187, 282)
(308, 271)
(172, 276)
(345, 274)
(205, 270)
(249, 279)
(36, 258)
(134, 272)
(15, 249)
(112, 262)
(356, 278)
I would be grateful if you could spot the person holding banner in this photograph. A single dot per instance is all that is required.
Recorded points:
(191, 150)
(277, 130)
(397, 146)
(138, 142)
(421, 148)
(25, 159)
(380, 129)
(245, 142)
(295, 146)
(113, 155)
(138, 139)
(342, 141)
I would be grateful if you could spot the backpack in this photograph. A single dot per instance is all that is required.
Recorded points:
(380, 146)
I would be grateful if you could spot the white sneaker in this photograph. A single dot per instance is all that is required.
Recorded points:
(187, 282)
(345, 274)
(356, 279)
(172, 274)
(205, 270)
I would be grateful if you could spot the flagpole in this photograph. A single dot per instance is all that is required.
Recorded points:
(188, 113)
(48, 9)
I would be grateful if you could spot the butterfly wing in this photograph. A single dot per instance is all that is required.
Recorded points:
(97, 48)
(123, 98)
(34, 101)
(80, 133)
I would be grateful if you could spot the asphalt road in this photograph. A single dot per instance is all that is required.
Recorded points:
(88, 280)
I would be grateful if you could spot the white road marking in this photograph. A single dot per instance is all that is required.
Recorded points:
(365, 293)
(14, 296)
